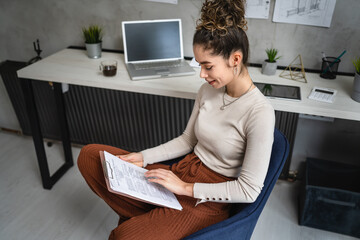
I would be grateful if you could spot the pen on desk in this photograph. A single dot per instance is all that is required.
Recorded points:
(336, 60)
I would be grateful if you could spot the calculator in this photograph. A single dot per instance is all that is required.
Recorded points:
(323, 94)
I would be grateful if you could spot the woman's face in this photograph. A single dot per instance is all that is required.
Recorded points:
(214, 69)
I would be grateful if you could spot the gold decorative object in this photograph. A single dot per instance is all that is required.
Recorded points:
(295, 70)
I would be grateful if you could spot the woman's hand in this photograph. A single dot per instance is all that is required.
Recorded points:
(170, 181)
(134, 158)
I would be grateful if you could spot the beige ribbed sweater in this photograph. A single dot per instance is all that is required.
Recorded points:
(235, 142)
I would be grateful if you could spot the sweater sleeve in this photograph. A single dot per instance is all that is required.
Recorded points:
(176, 147)
(247, 187)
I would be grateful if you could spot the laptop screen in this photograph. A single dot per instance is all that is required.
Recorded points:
(155, 40)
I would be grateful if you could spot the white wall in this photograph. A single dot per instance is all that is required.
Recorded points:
(57, 24)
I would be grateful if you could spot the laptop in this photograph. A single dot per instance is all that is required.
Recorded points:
(154, 49)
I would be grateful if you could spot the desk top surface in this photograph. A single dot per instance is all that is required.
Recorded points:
(74, 67)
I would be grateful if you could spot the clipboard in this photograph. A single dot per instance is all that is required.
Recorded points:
(128, 180)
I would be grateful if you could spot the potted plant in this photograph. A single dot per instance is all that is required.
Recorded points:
(269, 66)
(93, 39)
(356, 86)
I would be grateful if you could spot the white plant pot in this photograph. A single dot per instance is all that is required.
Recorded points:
(93, 50)
(269, 68)
(356, 88)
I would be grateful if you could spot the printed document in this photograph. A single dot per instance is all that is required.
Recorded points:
(128, 179)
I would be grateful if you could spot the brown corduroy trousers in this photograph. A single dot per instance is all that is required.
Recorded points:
(139, 220)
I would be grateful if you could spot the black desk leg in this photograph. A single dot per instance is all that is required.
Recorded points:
(65, 136)
(47, 180)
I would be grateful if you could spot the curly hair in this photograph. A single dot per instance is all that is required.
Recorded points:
(222, 27)
(218, 16)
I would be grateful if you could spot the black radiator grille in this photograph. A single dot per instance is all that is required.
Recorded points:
(286, 122)
(128, 120)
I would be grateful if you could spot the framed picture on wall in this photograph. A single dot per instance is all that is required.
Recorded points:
(306, 12)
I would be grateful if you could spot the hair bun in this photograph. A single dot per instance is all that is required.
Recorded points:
(219, 15)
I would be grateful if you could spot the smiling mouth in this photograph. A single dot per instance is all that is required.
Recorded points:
(211, 82)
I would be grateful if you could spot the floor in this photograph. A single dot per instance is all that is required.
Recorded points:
(70, 211)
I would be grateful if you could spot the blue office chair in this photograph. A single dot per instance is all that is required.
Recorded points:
(242, 223)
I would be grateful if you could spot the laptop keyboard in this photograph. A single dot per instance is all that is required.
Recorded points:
(159, 65)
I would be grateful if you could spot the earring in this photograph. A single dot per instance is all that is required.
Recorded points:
(235, 70)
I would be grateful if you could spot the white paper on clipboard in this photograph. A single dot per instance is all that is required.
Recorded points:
(128, 179)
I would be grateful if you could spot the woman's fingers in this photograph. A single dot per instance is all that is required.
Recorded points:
(170, 181)
(134, 158)
(123, 157)
(160, 174)
(158, 171)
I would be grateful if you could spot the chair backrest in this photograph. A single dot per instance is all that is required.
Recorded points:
(242, 224)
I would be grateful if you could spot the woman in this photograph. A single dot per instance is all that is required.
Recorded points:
(228, 140)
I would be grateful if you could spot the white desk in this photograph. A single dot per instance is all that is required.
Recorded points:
(74, 67)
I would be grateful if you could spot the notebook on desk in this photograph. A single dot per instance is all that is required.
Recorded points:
(154, 49)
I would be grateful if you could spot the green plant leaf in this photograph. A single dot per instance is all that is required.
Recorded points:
(92, 34)
(271, 53)
(356, 63)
